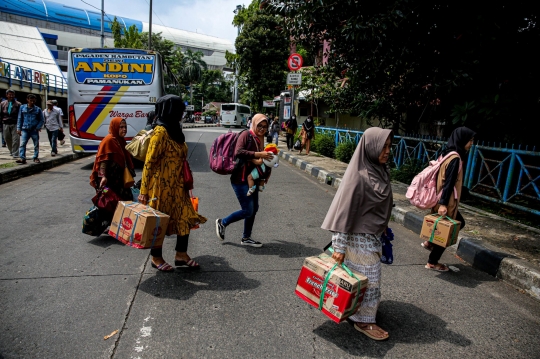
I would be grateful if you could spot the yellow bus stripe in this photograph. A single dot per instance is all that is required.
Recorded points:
(109, 107)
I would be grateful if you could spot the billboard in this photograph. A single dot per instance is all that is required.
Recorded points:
(113, 68)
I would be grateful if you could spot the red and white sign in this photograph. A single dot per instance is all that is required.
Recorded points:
(295, 62)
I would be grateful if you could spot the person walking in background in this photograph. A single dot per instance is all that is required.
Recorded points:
(249, 146)
(357, 218)
(55, 104)
(9, 112)
(291, 126)
(53, 125)
(29, 124)
(307, 134)
(163, 182)
(450, 182)
(275, 129)
(111, 160)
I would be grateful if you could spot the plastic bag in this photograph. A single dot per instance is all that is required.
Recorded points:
(106, 200)
(387, 253)
(93, 222)
(138, 147)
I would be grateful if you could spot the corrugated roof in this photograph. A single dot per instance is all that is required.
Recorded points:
(24, 46)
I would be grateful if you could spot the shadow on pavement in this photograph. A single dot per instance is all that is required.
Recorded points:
(467, 276)
(405, 322)
(282, 249)
(216, 276)
(89, 166)
(105, 241)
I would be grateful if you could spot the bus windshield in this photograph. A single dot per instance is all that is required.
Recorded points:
(107, 83)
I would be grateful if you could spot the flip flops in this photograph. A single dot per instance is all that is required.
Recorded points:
(437, 267)
(163, 267)
(191, 264)
(369, 328)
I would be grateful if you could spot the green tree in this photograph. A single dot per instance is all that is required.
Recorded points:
(262, 50)
(412, 61)
(126, 38)
(192, 67)
(214, 87)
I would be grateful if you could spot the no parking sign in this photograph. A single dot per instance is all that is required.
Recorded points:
(295, 62)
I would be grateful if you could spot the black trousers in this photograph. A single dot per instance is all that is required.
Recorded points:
(438, 251)
(290, 139)
(181, 246)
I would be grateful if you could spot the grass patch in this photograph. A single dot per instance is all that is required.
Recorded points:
(8, 165)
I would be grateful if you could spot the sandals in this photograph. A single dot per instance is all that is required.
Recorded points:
(191, 264)
(427, 245)
(370, 328)
(36, 160)
(437, 267)
(163, 267)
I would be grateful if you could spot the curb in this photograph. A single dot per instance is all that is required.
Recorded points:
(12, 174)
(488, 259)
(197, 125)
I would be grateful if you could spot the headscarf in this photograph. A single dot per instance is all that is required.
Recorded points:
(112, 148)
(150, 117)
(363, 202)
(169, 111)
(308, 124)
(457, 141)
(257, 119)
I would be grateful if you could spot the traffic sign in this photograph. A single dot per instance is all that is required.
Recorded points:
(294, 78)
(190, 108)
(295, 62)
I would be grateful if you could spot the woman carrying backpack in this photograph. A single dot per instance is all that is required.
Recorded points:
(291, 126)
(307, 134)
(450, 182)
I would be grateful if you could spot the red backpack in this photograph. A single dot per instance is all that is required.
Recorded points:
(221, 158)
(422, 193)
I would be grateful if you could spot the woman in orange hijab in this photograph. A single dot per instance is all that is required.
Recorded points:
(111, 160)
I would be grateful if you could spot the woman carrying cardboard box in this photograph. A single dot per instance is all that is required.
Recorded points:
(357, 218)
(450, 182)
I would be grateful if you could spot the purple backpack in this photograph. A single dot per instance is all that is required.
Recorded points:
(221, 158)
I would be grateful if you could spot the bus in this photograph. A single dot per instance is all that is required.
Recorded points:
(234, 114)
(105, 83)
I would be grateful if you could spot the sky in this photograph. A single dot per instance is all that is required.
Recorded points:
(209, 17)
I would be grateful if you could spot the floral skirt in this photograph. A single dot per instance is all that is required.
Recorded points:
(363, 254)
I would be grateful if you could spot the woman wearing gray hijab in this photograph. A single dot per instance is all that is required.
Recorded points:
(357, 218)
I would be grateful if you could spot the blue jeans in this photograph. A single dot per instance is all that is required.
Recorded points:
(53, 136)
(249, 205)
(276, 137)
(25, 137)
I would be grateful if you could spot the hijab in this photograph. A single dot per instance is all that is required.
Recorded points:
(308, 123)
(363, 202)
(169, 111)
(457, 141)
(257, 119)
(112, 148)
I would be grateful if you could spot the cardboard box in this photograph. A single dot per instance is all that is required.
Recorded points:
(138, 225)
(341, 291)
(446, 233)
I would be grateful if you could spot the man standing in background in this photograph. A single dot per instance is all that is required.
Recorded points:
(29, 125)
(9, 111)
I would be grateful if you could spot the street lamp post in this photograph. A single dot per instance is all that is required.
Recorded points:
(150, 28)
(236, 11)
(102, 24)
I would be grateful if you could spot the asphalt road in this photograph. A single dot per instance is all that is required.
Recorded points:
(62, 291)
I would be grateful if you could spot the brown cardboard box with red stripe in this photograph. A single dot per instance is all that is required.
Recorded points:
(343, 293)
(138, 225)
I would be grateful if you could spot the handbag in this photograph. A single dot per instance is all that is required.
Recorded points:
(387, 253)
(106, 200)
(128, 178)
(138, 147)
(269, 139)
(297, 145)
(93, 222)
(195, 204)
(61, 135)
(188, 176)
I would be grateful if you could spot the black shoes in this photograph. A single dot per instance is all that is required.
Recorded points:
(220, 229)
(250, 242)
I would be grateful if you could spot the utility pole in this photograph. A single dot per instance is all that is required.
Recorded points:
(238, 8)
(102, 24)
(150, 28)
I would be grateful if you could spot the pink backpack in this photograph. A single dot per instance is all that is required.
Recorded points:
(422, 193)
(221, 156)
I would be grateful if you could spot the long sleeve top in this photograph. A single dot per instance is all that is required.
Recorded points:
(53, 119)
(450, 180)
(30, 118)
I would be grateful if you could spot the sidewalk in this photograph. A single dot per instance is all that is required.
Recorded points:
(10, 170)
(503, 248)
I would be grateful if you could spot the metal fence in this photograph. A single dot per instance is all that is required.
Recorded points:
(505, 175)
(14, 74)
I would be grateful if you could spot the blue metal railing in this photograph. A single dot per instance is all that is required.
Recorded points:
(509, 176)
(24, 76)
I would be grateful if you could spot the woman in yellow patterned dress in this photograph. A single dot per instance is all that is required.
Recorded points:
(162, 185)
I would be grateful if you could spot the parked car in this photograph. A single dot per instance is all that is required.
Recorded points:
(208, 119)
